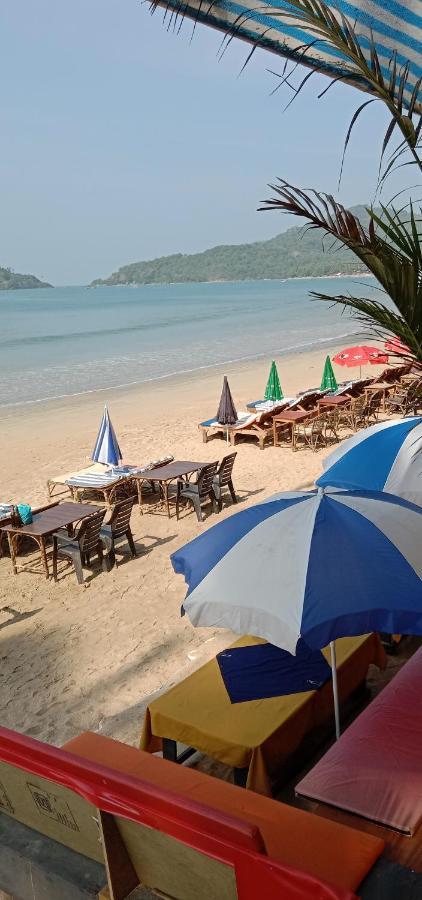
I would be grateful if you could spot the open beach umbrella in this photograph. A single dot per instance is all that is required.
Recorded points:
(316, 565)
(384, 457)
(396, 346)
(106, 448)
(360, 356)
(395, 29)
(273, 390)
(328, 382)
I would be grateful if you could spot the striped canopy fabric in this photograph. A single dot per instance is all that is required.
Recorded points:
(106, 448)
(384, 457)
(317, 565)
(395, 25)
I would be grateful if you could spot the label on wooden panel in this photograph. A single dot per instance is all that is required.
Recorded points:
(51, 805)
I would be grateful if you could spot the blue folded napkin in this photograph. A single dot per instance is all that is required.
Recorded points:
(263, 670)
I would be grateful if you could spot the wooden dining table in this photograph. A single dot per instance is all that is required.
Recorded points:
(291, 417)
(43, 525)
(164, 475)
(333, 402)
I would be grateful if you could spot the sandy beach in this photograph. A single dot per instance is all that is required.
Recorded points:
(75, 657)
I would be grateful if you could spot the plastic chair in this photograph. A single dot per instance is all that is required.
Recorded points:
(118, 529)
(78, 549)
(223, 479)
(198, 491)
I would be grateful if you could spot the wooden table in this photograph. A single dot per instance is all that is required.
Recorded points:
(165, 475)
(333, 402)
(378, 386)
(291, 417)
(44, 524)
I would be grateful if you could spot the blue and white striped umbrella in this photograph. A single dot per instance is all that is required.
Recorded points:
(106, 448)
(394, 25)
(384, 457)
(317, 565)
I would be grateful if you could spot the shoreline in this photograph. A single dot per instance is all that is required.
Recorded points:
(138, 284)
(6, 409)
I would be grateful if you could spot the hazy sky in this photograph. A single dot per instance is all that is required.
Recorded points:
(120, 141)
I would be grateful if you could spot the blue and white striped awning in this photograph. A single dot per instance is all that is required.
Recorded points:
(395, 25)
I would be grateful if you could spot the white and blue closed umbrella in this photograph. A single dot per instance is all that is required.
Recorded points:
(106, 448)
(383, 457)
(316, 565)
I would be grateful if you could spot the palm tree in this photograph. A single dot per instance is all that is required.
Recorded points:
(390, 246)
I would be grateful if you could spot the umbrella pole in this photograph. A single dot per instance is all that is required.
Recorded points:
(335, 687)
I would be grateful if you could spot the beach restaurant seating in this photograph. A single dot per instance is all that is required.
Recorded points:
(78, 549)
(108, 481)
(223, 480)
(118, 529)
(101, 809)
(256, 425)
(375, 770)
(198, 491)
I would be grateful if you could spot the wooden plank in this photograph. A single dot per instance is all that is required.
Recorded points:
(51, 809)
(121, 876)
(173, 869)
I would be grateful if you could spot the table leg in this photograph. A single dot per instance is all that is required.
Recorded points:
(139, 488)
(10, 538)
(274, 433)
(169, 749)
(44, 556)
(166, 497)
(240, 776)
(293, 436)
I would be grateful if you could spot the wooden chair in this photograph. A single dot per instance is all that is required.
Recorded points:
(78, 549)
(313, 432)
(198, 491)
(331, 424)
(407, 401)
(118, 529)
(223, 479)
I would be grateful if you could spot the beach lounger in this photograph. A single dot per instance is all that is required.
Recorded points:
(99, 809)
(375, 769)
(258, 425)
(98, 478)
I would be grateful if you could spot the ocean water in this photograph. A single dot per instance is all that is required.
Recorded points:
(68, 341)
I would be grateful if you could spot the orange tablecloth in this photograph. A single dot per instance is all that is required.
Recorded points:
(258, 734)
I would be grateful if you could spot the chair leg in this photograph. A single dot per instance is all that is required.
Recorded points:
(77, 562)
(231, 489)
(197, 506)
(131, 542)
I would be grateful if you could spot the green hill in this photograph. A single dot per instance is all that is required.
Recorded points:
(13, 281)
(294, 253)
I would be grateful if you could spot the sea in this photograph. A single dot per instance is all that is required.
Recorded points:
(73, 340)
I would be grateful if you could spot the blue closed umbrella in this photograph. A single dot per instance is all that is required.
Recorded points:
(316, 565)
(384, 457)
(106, 448)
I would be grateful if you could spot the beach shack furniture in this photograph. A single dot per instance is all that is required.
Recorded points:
(260, 739)
(118, 529)
(163, 476)
(78, 549)
(257, 425)
(407, 400)
(374, 771)
(57, 485)
(223, 480)
(99, 810)
(196, 492)
(290, 419)
(44, 524)
(311, 538)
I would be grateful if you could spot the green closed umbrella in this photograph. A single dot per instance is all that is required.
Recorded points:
(273, 390)
(328, 382)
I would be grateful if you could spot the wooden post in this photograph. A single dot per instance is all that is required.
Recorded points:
(121, 876)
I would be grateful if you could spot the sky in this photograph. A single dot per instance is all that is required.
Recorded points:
(121, 141)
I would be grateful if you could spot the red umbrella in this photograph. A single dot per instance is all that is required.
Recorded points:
(360, 356)
(395, 345)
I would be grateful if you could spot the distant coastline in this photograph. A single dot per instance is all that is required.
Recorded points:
(363, 274)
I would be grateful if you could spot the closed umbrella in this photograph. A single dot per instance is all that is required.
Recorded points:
(384, 457)
(106, 448)
(273, 390)
(328, 382)
(226, 414)
(316, 565)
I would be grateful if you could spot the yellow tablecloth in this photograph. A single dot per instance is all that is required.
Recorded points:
(258, 734)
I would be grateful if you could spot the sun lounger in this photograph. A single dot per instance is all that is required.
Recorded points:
(258, 425)
(375, 769)
(140, 819)
(99, 478)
